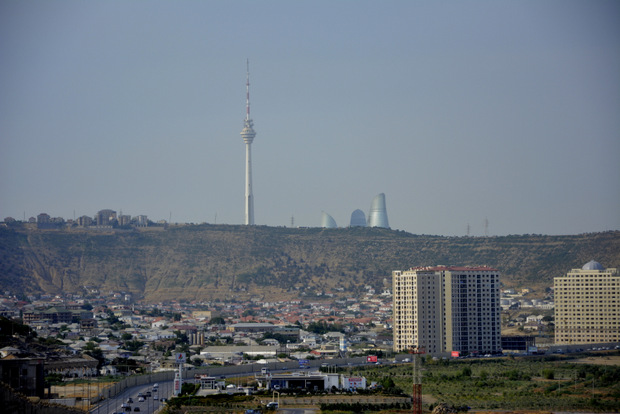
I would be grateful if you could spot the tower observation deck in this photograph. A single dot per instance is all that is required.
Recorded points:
(248, 134)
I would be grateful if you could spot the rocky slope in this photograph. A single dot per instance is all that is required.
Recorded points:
(219, 261)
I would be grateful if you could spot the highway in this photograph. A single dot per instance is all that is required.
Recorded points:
(150, 405)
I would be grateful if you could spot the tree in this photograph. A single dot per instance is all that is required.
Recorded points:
(218, 320)
(181, 338)
(125, 365)
(53, 379)
(387, 382)
(94, 351)
(548, 374)
(133, 345)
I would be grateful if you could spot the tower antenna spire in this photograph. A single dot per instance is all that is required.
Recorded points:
(247, 90)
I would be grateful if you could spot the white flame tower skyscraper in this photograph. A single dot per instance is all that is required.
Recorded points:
(248, 135)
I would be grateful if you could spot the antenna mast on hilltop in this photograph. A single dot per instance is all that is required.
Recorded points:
(416, 397)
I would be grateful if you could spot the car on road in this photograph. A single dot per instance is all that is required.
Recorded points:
(141, 399)
(136, 408)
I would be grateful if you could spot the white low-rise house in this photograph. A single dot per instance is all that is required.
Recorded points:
(227, 353)
(108, 370)
(534, 319)
(334, 336)
(160, 322)
(109, 346)
(166, 335)
(8, 350)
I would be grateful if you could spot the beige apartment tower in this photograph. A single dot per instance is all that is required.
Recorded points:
(587, 305)
(444, 309)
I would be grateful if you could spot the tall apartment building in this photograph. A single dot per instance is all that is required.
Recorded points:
(587, 305)
(105, 217)
(444, 309)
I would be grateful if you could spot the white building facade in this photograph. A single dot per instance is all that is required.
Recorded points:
(447, 308)
(587, 305)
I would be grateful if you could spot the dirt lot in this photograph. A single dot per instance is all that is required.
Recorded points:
(599, 360)
(79, 390)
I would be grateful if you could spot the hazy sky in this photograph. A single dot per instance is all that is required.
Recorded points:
(458, 111)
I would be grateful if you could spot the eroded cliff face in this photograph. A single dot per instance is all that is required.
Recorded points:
(208, 261)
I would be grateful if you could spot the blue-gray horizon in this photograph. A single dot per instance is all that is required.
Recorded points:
(481, 118)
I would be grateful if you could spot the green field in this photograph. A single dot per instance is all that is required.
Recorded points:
(565, 383)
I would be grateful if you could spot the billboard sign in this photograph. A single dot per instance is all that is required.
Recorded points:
(180, 358)
(456, 354)
(371, 358)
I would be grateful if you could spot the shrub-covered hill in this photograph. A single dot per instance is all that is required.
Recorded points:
(220, 261)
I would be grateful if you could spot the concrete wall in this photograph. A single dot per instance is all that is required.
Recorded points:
(13, 402)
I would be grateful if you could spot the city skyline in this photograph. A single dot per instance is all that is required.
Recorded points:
(482, 118)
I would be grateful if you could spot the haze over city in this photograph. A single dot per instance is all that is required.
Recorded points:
(460, 112)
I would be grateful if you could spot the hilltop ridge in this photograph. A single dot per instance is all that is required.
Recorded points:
(203, 262)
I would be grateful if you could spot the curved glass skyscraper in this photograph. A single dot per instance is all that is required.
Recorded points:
(358, 219)
(328, 221)
(378, 213)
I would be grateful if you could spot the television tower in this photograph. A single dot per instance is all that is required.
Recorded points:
(248, 135)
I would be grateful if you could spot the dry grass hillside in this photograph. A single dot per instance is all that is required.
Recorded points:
(221, 261)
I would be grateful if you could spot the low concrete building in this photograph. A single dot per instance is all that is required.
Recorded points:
(25, 375)
(304, 381)
(72, 366)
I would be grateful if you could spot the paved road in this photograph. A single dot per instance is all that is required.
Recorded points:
(149, 406)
